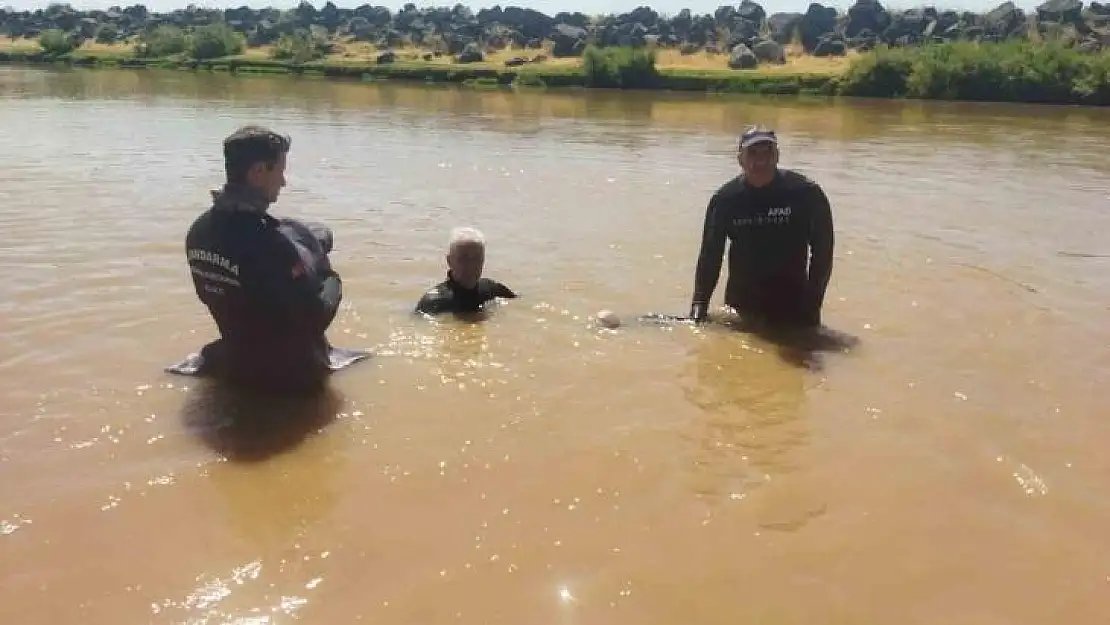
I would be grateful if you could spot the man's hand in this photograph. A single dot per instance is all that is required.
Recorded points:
(699, 312)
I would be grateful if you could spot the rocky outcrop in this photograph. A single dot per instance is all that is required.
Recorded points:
(468, 34)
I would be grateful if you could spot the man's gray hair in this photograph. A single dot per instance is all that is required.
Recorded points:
(462, 237)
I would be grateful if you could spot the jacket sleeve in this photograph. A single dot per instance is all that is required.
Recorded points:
(500, 290)
(710, 254)
(822, 240)
(276, 277)
(431, 303)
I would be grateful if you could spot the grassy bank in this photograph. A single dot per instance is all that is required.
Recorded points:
(1013, 71)
(659, 69)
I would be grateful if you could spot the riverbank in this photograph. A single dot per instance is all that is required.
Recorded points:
(800, 74)
(1012, 71)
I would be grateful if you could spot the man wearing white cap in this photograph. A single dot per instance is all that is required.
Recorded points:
(780, 228)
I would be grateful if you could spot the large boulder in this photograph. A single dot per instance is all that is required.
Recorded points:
(1003, 21)
(830, 44)
(818, 21)
(742, 57)
(471, 54)
(783, 26)
(866, 15)
(568, 41)
(752, 12)
(1060, 11)
(768, 51)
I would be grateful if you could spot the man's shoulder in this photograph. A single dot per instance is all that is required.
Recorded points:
(794, 179)
(495, 288)
(731, 188)
(436, 299)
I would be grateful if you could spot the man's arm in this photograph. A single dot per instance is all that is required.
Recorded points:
(278, 276)
(431, 303)
(710, 257)
(500, 290)
(821, 243)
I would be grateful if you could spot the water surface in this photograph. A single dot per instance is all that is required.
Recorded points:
(951, 468)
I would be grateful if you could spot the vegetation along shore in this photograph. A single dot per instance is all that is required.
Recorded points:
(1060, 53)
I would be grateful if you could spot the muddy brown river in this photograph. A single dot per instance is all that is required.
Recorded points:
(949, 468)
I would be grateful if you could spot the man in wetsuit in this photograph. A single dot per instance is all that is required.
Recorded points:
(780, 228)
(266, 281)
(464, 290)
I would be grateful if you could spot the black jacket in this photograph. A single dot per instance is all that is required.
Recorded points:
(781, 247)
(449, 297)
(272, 293)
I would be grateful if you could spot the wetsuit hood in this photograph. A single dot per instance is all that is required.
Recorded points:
(239, 197)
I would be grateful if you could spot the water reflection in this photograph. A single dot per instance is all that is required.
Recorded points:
(461, 349)
(752, 407)
(802, 348)
(249, 427)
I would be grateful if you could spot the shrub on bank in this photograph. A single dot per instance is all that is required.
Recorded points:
(162, 41)
(213, 41)
(299, 47)
(1013, 71)
(55, 41)
(619, 68)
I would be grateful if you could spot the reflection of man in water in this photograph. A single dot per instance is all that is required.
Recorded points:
(780, 228)
(752, 413)
(266, 282)
(464, 290)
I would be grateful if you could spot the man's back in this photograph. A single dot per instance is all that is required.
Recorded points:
(253, 282)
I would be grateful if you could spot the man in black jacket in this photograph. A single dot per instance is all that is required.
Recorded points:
(780, 228)
(266, 282)
(464, 291)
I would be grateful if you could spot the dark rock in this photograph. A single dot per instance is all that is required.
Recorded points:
(470, 54)
(1060, 11)
(866, 15)
(1003, 20)
(768, 51)
(864, 40)
(818, 21)
(752, 12)
(742, 57)
(912, 24)
(568, 40)
(515, 62)
(386, 57)
(830, 44)
(783, 26)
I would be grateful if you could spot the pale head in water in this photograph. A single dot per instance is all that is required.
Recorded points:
(608, 319)
(255, 157)
(466, 255)
(759, 155)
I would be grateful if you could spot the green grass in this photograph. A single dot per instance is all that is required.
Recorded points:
(475, 76)
(1015, 71)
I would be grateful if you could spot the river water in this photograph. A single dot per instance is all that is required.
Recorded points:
(948, 467)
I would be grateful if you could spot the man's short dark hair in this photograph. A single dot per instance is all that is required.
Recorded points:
(249, 145)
